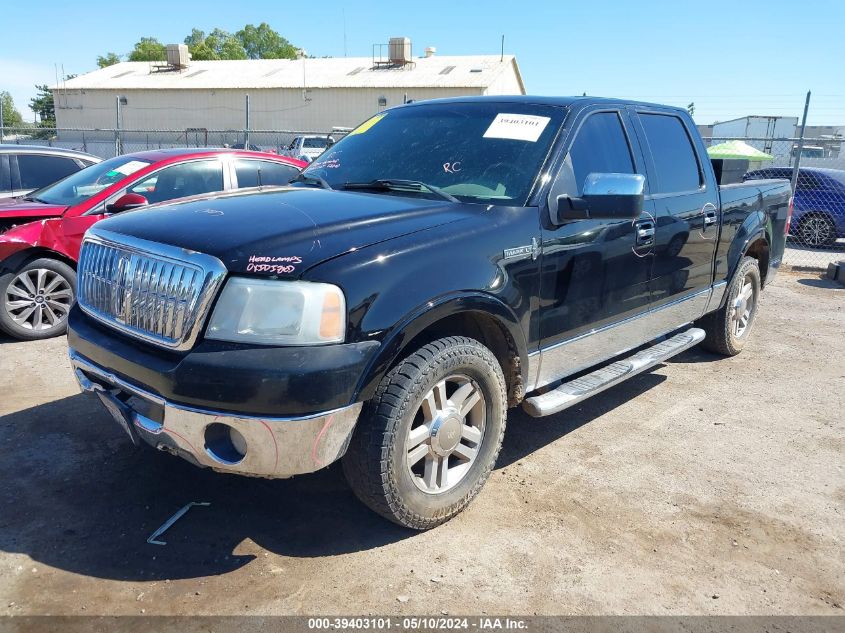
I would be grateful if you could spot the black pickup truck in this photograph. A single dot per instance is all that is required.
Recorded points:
(444, 262)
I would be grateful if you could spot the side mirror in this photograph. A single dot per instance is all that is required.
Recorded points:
(127, 201)
(329, 141)
(605, 197)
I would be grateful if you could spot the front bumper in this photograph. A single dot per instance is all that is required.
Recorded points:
(249, 445)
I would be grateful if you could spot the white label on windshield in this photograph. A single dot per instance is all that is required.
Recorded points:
(131, 167)
(518, 127)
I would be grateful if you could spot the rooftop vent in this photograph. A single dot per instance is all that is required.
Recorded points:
(178, 55)
(400, 50)
(430, 51)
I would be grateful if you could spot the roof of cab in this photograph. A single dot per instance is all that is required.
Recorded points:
(566, 102)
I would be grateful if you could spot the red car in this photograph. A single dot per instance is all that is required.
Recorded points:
(40, 234)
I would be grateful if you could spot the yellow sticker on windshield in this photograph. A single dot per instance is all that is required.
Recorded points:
(366, 125)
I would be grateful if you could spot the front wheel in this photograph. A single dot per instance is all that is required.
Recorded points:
(429, 438)
(35, 299)
(728, 328)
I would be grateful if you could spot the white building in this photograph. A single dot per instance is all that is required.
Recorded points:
(302, 94)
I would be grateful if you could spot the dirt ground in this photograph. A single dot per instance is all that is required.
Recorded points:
(707, 486)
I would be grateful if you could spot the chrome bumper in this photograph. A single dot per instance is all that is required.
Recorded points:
(246, 445)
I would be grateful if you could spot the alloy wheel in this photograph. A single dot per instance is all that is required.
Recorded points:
(743, 307)
(816, 231)
(38, 299)
(446, 434)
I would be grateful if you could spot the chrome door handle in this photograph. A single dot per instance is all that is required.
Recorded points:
(709, 218)
(645, 233)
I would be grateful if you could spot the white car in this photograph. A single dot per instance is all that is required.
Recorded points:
(309, 147)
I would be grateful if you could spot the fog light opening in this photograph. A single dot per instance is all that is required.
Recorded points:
(224, 444)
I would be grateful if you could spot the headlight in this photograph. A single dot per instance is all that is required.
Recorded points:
(278, 313)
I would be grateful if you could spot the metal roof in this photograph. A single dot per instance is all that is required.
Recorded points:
(468, 71)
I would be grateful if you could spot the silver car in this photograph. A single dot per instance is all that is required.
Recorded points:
(25, 168)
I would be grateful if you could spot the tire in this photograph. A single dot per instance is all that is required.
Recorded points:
(46, 314)
(408, 485)
(728, 328)
(816, 230)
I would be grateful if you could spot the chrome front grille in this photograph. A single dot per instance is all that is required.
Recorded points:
(152, 291)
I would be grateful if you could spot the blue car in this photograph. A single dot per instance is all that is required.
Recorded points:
(818, 218)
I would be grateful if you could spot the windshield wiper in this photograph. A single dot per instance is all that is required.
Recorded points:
(393, 184)
(312, 179)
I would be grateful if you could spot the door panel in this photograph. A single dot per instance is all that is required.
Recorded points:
(686, 207)
(594, 272)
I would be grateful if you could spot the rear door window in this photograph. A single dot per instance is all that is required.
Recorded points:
(257, 173)
(37, 170)
(675, 162)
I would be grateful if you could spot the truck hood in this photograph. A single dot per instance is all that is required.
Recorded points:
(11, 208)
(283, 232)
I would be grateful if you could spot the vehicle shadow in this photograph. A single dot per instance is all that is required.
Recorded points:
(821, 282)
(79, 498)
(696, 354)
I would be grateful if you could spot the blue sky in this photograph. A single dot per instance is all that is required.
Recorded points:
(731, 58)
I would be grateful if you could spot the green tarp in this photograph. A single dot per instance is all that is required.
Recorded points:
(737, 150)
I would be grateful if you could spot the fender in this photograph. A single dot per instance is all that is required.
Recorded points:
(35, 238)
(396, 341)
(755, 227)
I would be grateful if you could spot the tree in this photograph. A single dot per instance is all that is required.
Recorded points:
(219, 44)
(148, 49)
(262, 42)
(109, 59)
(11, 116)
(43, 106)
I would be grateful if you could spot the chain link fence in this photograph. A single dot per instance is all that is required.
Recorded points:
(107, 143)
(817, 232)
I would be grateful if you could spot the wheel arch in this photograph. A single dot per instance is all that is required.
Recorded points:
(759, 249)
(19, 259)
(475, 315)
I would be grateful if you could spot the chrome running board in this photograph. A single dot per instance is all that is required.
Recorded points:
(579, 389)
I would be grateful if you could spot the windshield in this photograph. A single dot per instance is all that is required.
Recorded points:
(80, 186)
(477, 152)
(315, 143)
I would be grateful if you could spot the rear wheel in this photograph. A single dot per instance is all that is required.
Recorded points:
(35, 300)
(817, 231)
(428, 439)
(728, 329)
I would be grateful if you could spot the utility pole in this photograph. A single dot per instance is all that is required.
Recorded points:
(800, 144)
(117, 151)
(2, 124)
(246, 131)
